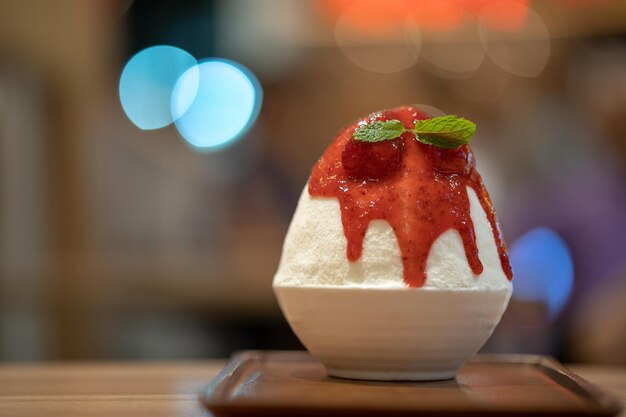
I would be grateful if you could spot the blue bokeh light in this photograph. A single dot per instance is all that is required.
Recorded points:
(543, 267)
(224, 104)
(147, 83)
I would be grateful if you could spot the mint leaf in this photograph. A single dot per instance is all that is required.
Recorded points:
(379, 131)
(445, 132)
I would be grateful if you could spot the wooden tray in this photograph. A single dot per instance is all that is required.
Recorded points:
(257, 383)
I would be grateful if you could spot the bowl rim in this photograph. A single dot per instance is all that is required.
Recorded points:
(360, 288)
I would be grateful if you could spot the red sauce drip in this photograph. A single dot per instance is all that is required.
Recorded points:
(421, 200)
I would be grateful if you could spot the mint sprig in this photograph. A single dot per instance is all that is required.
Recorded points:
(447, 132)
(379, 131)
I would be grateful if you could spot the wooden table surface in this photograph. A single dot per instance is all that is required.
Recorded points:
(150, 388)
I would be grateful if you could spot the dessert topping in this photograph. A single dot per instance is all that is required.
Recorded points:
(377, 170)
(372, 160)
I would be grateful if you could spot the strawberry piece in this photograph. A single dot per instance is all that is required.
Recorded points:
(372, 160)
(452, 161)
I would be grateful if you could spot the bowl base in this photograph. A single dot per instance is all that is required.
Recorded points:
(404, 375)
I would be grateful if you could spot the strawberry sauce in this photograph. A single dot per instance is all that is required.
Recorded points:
(421, 196)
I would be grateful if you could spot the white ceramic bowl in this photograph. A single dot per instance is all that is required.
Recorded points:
(392, 334)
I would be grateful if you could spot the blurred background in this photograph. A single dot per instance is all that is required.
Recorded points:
(143, 209)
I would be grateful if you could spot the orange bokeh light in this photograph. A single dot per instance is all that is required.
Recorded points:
(369, 16)
(505, 15)
(437, 15)
(376, 17)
